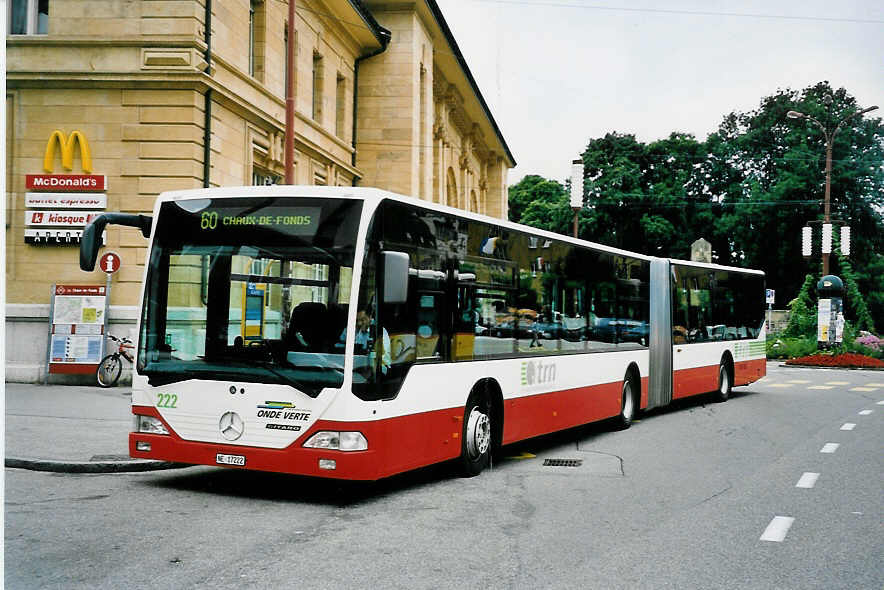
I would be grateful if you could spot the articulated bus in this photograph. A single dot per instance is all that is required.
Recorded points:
(352, 333)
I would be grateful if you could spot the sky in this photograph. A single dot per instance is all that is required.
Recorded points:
(558, 73)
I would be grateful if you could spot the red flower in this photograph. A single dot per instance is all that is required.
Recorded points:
(849, 359)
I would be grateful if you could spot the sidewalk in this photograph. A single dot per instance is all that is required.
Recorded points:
(72, 429)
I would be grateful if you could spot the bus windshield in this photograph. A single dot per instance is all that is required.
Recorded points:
(249, 290)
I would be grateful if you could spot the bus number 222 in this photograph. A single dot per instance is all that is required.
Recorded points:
(167, 400)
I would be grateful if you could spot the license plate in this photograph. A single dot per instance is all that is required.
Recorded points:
(223, 459)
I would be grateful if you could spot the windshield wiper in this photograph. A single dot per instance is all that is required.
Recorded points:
(164, 376)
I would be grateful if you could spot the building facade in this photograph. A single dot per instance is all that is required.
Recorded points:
(150, 96)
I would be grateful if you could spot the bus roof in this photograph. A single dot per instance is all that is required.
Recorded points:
(375, 195)
(711, 266)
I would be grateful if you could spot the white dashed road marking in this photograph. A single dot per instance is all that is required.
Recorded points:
(848, 426)
(821, 387)
(829, 448)
(807, 480)
(865, 412)
(863, 389)
(837, 382)
(777, 529)
(881, 403)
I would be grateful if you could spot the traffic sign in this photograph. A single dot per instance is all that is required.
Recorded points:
(110, 262)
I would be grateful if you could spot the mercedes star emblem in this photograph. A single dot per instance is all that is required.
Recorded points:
(231, 426)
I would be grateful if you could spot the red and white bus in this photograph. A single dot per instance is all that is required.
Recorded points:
(353, 333)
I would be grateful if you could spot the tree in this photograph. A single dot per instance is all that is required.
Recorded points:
(769, 175)
(540, 203)
(748, 189)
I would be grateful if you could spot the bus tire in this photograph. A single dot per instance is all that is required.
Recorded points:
(476, 437)
(725, 382)
(628, 404)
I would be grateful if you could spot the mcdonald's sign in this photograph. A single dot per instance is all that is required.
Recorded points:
(67, 145)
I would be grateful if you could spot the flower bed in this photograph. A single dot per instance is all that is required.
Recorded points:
(848, 359)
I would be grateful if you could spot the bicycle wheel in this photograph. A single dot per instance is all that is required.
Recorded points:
(109, 370)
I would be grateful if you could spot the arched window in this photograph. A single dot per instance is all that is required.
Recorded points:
(451, 188)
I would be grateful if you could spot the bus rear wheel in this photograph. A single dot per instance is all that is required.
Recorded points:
(476, 438)
(627, 405)
(724, 383)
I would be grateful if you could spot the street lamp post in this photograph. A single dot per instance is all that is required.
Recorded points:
(576, 200)
(830, 140)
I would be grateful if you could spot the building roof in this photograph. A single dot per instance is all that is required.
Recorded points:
(380, 33)
(449, 38)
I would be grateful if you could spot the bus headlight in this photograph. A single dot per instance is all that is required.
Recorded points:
(149, 424)
(337, 441)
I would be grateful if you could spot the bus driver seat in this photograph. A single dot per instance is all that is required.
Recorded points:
(307, 327)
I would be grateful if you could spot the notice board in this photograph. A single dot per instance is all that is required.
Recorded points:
(77, 322)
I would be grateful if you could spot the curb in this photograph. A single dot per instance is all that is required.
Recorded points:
(137, 465)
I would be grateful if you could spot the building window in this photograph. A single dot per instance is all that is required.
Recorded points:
(28, 17)
(252, 38)
(320, 174)
(257, 20)
(262, 177)
(340, 103)
(317, 87)
(423, 189)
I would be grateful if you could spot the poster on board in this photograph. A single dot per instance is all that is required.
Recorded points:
(77, 325)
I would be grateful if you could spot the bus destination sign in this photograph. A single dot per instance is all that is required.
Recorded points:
(290, 220)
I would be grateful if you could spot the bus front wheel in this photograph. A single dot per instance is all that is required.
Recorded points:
(476, 437)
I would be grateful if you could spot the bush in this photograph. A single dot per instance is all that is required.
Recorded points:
(803, 310)
(870, 341)
(784, 348)
(869, 345)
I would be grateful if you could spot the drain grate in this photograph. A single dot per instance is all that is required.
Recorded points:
(562, 462)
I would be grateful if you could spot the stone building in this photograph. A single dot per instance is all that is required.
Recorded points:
(157, 95)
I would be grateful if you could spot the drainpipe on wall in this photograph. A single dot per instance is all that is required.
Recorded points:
(207, 109)
(386, 41)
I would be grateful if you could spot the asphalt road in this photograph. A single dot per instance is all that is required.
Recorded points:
(699, 495)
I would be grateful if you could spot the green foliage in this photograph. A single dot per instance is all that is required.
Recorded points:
(853, 297)
(786, 348)
(748, 188)
(803, 312)
(538, 202)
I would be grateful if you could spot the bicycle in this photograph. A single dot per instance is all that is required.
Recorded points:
(111, 367)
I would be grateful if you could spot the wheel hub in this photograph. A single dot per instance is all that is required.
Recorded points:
(478, 433)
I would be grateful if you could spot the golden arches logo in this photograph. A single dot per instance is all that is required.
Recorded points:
(67, 144)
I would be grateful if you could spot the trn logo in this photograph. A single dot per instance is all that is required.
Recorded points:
(538, 372)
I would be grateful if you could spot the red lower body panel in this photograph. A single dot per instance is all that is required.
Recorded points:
(395, 444)
(694, 381)
(687, 382)
(746, 372)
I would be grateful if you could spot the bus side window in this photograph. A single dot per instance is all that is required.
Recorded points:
(427, 340)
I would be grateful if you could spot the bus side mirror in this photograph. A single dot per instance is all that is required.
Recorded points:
(395, 277)
(91, 240)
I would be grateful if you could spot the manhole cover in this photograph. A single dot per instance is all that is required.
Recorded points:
(562, 462)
